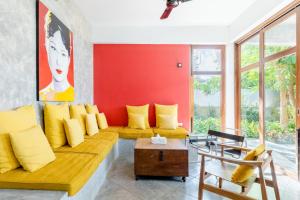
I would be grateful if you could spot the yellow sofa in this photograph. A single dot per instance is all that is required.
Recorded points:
(69, 172)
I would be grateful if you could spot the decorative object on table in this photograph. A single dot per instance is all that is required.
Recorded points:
(55, 57)
(158, 140)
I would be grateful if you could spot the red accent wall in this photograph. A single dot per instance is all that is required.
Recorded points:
(141, 74)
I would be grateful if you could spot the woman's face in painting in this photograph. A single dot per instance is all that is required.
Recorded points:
(58, 57)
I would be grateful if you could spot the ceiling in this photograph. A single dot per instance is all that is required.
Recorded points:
(147, 12)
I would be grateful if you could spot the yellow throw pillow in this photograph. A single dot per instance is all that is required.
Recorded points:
(142, 110)
(167, 121)
(73, 132)
(13, 120)
(165, 110)
(16, 120)
(102, 122)
(136, 121)
(8, 161)
(79, 112)
(91, 124)
(91, 109)
(31, 148)
(242, 172)
(54, 127)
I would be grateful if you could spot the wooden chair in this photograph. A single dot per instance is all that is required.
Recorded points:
(222, 168)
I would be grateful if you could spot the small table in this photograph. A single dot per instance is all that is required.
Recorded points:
(170, 159)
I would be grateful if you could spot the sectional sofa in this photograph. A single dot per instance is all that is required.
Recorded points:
(76, 173)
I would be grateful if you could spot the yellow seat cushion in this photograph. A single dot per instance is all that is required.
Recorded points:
(179, 132)
(167, 122)
(10, 121)
(79, 112)
(111, 136)
(98, 147)
(142, 110)
(54, 127)
(136, 121)
(73, 131)
(130, 133)
(91, 124)
(91, 109)
(111, 129)
(69, 172)
(101, 120)
(31, 148)
(165, 110)
(242, 172)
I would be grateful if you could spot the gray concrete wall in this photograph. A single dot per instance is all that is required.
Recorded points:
(18, 81)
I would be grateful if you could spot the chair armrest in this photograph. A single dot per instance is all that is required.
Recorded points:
(235, 147)
(234, 161)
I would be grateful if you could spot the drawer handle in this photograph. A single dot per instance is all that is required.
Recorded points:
(161, 156)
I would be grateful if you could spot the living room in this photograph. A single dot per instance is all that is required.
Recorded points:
(161, 99)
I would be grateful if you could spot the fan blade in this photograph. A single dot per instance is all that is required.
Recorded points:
(167, 12)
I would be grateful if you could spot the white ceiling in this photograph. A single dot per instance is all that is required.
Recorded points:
(147, 12)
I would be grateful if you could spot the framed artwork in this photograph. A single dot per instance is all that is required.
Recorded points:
(55, 57)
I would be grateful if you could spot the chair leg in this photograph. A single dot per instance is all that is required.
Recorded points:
(201, 180)
(262, 184)
(274, 179)
(220, 183)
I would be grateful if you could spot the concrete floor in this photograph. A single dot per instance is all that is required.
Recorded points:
(121, 184)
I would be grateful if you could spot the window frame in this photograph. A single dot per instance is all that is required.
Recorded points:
(281, 16)
(222, 74)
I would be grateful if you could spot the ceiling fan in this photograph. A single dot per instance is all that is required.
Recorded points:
(170, 5)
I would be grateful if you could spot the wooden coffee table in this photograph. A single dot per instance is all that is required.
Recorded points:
(170, 159)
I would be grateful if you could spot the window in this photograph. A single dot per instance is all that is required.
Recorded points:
(208, 87)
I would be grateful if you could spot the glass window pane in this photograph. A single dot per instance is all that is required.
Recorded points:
(250, 51)
(250, 106)
(280, 119)
(206, 59)
(207, 99)
(281, 36)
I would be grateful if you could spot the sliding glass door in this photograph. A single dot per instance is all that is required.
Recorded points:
(268, 89)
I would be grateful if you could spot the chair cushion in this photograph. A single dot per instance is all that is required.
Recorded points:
(54, 127)
(69, 172)
(165, 110)
(142, 110)
(130, 133)
(179, 132)
(136, 121)
(101, 148)
(79, 112)
(242, 172)
(91, 124)
(110, 136)
(73, 131)
(91, 109)
(101, 120)
(32, 148)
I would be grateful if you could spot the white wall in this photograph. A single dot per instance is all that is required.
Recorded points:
(161, 35)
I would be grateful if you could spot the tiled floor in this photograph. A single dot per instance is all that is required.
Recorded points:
(121, 184)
